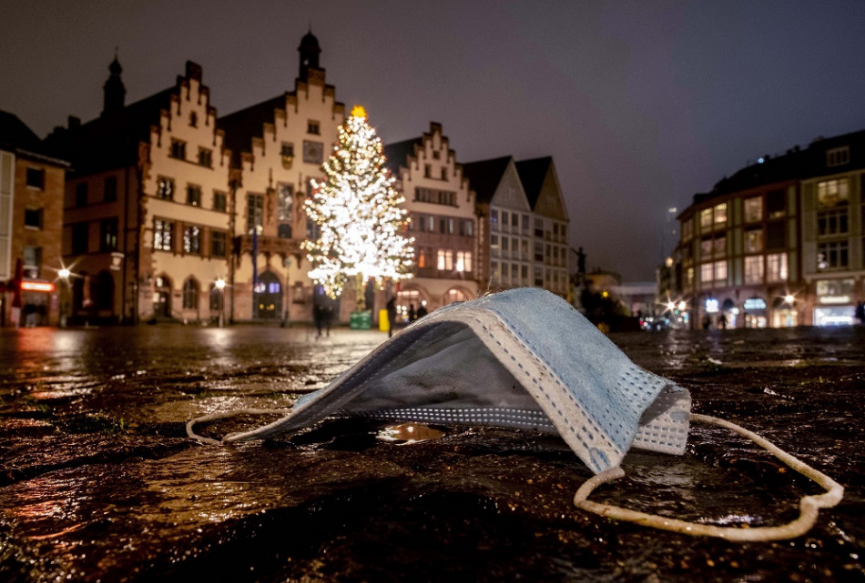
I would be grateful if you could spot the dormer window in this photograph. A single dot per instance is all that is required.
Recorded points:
(313, 127)
(838, 156)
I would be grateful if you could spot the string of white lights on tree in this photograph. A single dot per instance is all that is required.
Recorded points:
(358, 211)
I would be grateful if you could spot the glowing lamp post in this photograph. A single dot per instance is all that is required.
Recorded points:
(220, 285)
(64, 275)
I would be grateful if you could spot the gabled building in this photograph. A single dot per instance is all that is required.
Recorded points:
(148, 214)
(441, 207)
(505, 219)
(31, 215)
(278, 147)
(550, 224)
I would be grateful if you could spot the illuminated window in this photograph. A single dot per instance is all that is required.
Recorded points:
(108, 235)
(467, 228)
(754, 241)
(254, 212)
(832, 255)
(833, 192)
(705, 218)
(720, 272)
(165, 188)
(721, 213)
(192, 240)
(707, 273)
(445, 260)
(687, 230)
(754, 209)
(706, 247)
(464, 261)
(776, 267)
(163, 235)
(754, 269)
(720, 245)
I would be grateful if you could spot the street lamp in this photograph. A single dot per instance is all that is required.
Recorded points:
(220, 285)
(64, 275)
(789, 299)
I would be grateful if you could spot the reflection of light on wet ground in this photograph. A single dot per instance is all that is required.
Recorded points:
(409, 433)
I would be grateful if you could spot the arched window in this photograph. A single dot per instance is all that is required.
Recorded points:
(190, 294)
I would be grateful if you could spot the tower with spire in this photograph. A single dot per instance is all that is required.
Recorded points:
(115, 92)
(309, 52)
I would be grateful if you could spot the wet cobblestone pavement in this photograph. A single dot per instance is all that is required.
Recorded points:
(98, 481)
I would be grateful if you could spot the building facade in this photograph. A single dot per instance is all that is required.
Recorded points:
(779, 243)
(31, 214)
(148, 214)
(441, 208)
(278, 149)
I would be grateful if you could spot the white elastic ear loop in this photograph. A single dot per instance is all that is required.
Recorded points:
(808, 507)
(226, 415)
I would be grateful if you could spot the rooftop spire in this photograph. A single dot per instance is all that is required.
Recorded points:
(114, 91)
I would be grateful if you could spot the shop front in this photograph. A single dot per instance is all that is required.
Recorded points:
(836, 302)
(784, 314)
(755, 312)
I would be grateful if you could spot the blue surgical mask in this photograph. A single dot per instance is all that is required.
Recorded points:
(524, 359)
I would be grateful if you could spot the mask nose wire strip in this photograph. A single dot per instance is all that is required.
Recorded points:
(808, 507)
(225, 415)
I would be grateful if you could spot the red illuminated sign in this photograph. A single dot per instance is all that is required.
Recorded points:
(39, 286)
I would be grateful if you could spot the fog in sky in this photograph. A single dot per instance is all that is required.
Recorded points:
(641, 104)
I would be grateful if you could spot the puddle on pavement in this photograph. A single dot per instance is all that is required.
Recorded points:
(409, 433)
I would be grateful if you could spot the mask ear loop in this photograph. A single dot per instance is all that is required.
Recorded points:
(226, 415)
(808, 507)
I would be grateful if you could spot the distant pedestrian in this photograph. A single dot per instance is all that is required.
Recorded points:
(391, 315)
(421, 311)
(722, 322)
(860, 313)
(412, 315)
(707, 322)
(318, 318)
(328, 318)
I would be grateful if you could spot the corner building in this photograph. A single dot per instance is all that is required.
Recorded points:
(147, 209)
(441, 207)
(278, 148)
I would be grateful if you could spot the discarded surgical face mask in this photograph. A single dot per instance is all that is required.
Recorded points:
(526, 359)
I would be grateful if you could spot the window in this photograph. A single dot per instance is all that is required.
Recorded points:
(205, 157)
(525, 249)
(494, 270)
(445, 260)
(436, 155)
(109, 192)
(422, 259)
(689, 278)
(505, 217)
(193, 119)
(163, 232)
(192, 240)
(687, 230)
(754, 269)
(776, 267)
(832, 255)
(707, 273)
(178, 149)
(313, 152)
(494, 241)
(838, 156)
(832, 223)
(254, 212)
(36, 178)
(539, 276)
(754, 241)
(720, 214)
(427, 171)
(754, 209)
(515, 220)
(33, 218)
(705, 218)
(165, 188)
(494, 219)
(464, 261)
(190, 294)
(775, 238)
(505, 241)
(285, 209)
(444, 173)
(467, 228)
(832, 193)
(108, 235)
(526, 223)
(720, 272)
(776, 205)
(720, 246)
(539, 228)
(32, 261)
(539, 251)
(80, 238)
(217, 244)
(81, 194)
(220, 201)
(525, 273)
(193, 195)
(313, 127)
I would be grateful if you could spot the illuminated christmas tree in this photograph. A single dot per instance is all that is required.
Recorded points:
(357, 210)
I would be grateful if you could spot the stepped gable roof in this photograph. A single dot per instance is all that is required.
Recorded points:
(532, 174)
(242, 126)
(111, 140)
(397, 154)
(485, 175)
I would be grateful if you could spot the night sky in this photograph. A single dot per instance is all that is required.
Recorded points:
(641, 104)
